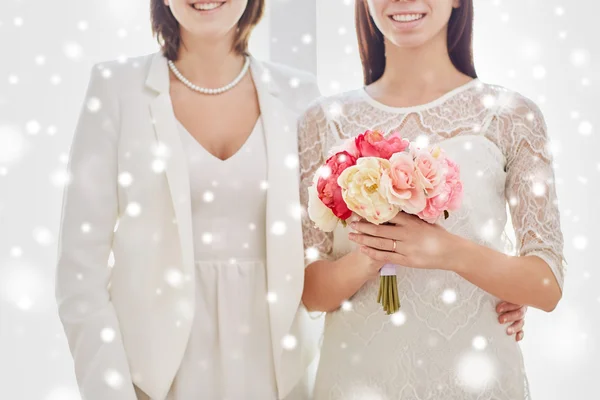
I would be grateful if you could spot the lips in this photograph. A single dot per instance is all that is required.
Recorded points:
(207, 6)
(407, 17)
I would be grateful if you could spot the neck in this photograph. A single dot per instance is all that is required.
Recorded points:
(209, 62)
(413, 69)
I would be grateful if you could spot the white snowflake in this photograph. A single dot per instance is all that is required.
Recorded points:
(289, 342)
(398, 318)
(208, 196)
(307, 38)
(207, 238)
(479, 343)
(125, 179)
(133, 209)
(585, 128)
(73, 50)
(94, 104)
(475, 371)
(158, 166)
(174, 277)
(449, 296)
(580, 242)
(108, 335)
(113, 378)
(272, 297)
(42, 235)
(279, 228)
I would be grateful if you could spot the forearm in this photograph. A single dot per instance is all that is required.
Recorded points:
(327, 284)
(521, 280)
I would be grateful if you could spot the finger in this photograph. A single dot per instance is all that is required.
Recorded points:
(520, 336)
(515, 327)
(373, 241)
(506, 306)
(512, 316)
(384, 256)
(384, 231)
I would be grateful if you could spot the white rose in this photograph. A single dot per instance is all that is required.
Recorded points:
(319, 213)
(363, 192)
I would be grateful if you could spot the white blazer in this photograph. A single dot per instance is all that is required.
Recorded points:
(125, 273)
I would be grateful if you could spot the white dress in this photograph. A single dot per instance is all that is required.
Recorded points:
(229, 352)
(446, 342)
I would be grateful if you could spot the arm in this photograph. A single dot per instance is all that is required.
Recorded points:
(535, 277)
(82, 275)
(522, 279)
(327, 283)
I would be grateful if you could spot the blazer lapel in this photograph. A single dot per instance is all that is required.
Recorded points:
(171, 148)
(285, 250)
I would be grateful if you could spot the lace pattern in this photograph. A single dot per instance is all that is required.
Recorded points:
(499, 138)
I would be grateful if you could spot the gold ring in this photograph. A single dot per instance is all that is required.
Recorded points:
(395, 244)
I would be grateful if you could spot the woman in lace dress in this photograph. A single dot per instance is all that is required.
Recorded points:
(445, 342)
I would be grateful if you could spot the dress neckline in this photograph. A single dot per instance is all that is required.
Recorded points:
(420, 107)
(239, 150)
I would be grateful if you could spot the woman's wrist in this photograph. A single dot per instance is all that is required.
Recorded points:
(465, 255)
(461, 252)
(359, 266)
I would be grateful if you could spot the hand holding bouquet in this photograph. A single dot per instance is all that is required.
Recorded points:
(375, 178)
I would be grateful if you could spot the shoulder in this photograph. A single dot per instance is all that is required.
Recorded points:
(330, 107)
(508, 103)
(122, 75)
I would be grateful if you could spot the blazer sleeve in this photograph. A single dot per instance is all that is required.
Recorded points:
(88, 218)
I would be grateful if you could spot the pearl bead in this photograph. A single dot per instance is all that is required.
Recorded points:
(220, 90)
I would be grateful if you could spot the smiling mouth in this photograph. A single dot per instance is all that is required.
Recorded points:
(207, 6)
(407, 17)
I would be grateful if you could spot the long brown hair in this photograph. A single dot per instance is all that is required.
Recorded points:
(372, 47)
(166, 28)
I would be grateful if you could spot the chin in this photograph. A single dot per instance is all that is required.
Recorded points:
(211, 31)
(408, 41)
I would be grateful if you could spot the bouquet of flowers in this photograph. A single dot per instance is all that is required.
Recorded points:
(375, 177)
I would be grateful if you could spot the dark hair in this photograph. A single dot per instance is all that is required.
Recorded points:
(166, 28)
(372, 47)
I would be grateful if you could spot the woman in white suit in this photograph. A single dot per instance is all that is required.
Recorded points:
(181, 262)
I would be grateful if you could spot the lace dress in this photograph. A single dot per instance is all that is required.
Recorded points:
(446, 342)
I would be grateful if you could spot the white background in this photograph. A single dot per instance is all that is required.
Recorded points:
(544, 49)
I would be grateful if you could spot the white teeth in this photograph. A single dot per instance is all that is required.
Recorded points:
(206, 6)
(407, 17)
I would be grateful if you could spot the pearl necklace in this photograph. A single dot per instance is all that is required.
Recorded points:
(220, 90)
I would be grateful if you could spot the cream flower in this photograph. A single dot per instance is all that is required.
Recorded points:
(362, 190)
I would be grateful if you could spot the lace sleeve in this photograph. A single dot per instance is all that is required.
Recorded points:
(530, 185)
(311, 128)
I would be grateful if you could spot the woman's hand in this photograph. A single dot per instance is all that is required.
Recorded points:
(419, 244)
(408, 241)
(514, 315)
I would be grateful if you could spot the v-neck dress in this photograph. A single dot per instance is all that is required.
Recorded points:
(229, 353)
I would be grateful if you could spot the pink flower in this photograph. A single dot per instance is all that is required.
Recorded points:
(455, 191)
(402, 184)
(449, 196)
(374, 144)
(430, 172)
(330, 193)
